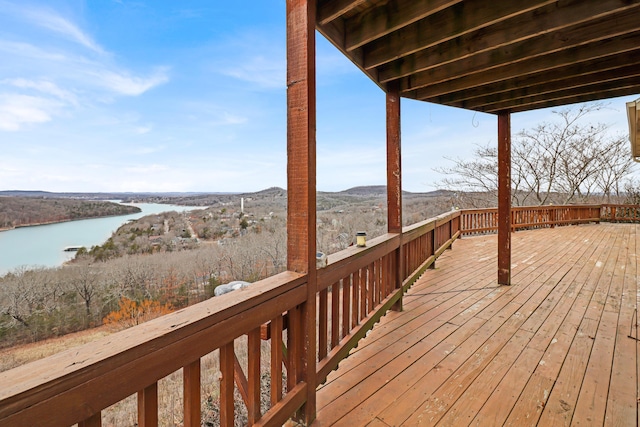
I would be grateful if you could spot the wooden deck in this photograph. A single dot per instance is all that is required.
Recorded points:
(553, 349)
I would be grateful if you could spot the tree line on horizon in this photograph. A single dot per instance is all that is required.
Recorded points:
(24, 211)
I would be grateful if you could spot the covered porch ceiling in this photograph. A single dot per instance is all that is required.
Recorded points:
(491, 56)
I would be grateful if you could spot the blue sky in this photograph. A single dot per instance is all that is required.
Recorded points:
(117, 95)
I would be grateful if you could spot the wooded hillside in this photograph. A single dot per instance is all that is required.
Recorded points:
(21, 211)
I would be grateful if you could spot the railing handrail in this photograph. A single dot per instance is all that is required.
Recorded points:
(539, 207)
(44, 387)
(619, 205)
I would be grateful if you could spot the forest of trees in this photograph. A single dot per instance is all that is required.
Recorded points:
(22, 211)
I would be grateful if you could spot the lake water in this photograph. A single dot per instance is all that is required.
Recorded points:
(43, 245)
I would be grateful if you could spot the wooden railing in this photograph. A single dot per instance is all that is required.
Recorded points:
(620, 213)
(358, 286)
(481, 221)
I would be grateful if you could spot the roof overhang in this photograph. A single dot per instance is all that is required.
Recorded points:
(491, 56)
(633, 114)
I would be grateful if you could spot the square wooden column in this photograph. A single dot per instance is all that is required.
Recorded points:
(301, 182)
(504, 198)
(394, 178)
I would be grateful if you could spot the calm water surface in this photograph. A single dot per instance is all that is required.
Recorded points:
(43, 245)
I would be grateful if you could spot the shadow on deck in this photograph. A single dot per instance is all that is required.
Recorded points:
(552, 349)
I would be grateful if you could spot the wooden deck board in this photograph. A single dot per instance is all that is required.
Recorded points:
(542, 322)
(552, 349)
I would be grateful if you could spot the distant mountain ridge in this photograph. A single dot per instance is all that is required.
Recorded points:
(93, 196)
(199, 198)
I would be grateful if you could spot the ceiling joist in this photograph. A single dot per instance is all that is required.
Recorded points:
(488, 55)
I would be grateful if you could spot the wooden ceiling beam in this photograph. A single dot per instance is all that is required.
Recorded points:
(561, 89)
(389, 17)
(488, 55)
(549, 102)
(569, 73)
(474, 53)
(543, 29)
(446, 25)
(553, 63)
(592, 42)
(330, 10)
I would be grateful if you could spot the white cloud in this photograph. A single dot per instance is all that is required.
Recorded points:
(19, 110)
(227, 118)
(28, 50)
(259, 70)
(253, 56)
(43, 86)
(123, 83)
(52, 21)
(50, 77)
(141, 130)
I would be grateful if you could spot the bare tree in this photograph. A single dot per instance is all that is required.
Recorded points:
(478, 175)
(86, 281)
(561, 161)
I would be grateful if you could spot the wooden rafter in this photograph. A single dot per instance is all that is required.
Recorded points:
(517, 55)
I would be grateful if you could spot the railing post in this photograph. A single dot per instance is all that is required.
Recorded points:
(504, 198)
(191, 386)
(434, 243)
(301, 178)
(253, 376)
(394, 179)
(227, 355)
(148, 406)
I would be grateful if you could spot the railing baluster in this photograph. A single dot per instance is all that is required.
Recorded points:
(240, 380)
(253, 376)
(432, 248)
(227, 356)
(191, 385)
(376, 282)
(322, 324)
(355, 299)
(346, 305)
(294, 347)
(362, 284)
(370, 288)
(148, 406)
(335, 314)
(276, 360)
(93, 421)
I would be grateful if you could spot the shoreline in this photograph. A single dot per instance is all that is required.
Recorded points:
(36, 224)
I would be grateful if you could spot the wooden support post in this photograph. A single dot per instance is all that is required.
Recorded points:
(301, 177)
(504, 198)
(148, 406)
(394, 179)
(191, 385)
